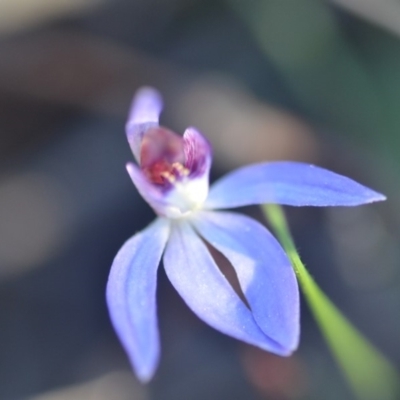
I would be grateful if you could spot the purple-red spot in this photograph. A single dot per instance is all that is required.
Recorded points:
(162, 155)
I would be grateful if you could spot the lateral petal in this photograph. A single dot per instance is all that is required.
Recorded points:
(198, 153)
(144, 114)
(194, 274)
(131, 296)
(288, 183)
(263, 270)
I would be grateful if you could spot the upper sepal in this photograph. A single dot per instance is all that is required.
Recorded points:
(144, 114)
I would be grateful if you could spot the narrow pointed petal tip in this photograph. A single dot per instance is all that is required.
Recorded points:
(288, 183)
(377, 197)
(131, 297)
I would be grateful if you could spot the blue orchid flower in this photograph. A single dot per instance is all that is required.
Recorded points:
(172, 176)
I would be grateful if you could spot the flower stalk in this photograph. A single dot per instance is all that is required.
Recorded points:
(370, 375)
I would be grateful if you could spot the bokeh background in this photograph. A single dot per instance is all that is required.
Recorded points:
(309, 80)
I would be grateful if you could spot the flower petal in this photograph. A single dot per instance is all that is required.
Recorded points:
(194, 274)
(289, 183)
(198, 153)
(263, 270)
(131, 296)
(151, 193)
(144, 114)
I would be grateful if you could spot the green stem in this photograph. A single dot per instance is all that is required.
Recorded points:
(369, 374)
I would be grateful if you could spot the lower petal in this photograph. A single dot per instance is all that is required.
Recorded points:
(131, 296)
(194, 274)
(264, 272)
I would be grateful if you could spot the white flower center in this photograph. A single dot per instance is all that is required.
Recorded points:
(185, 197)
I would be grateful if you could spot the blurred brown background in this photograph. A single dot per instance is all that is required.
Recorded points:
(311, 80)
